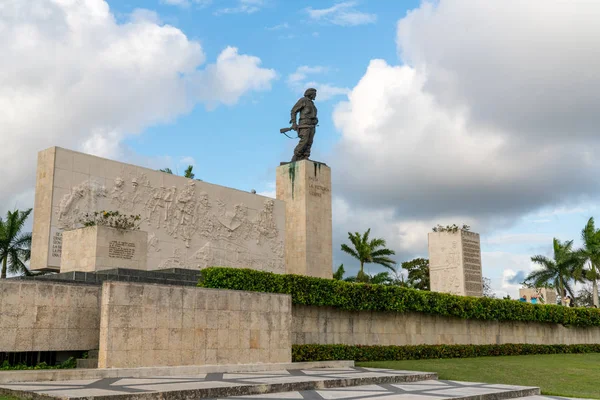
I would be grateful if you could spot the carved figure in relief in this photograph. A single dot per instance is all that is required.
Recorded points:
(185, 213)
(82, 199)
(117, 194)
(453, 257)
(168, 201)
(153, 243)
(205, 218)
(155, 203)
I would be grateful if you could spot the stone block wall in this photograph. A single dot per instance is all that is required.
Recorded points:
(96, 248)
(158, 325)
(326, 325)
(39, 316)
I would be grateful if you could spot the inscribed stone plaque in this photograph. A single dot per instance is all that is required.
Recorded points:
(455, 263)
(120, 249)
(190, 224)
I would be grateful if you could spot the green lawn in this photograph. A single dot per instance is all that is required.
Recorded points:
(570, 375)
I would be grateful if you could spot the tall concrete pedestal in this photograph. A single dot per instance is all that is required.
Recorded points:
(455, 263)
(305, 186)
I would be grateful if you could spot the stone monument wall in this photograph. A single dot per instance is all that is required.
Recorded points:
(327, 325)
(190, 224)
(145, 325)
(455, 263)
(40, 316)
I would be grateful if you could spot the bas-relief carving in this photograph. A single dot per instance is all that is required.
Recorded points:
(447, 277)
(82, 199)
(184, 214)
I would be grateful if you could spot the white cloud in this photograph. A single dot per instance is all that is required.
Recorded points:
(518, 238)
(140, 15)
(325, 91)
(463, 128)
(278, 27)
(187, 3)
(303, 71)
(187, 160)
(343, 14)
(72, 76)
(506, 271)
(230, 77)
(243, 7)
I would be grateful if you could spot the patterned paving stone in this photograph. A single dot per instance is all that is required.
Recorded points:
(219, 383)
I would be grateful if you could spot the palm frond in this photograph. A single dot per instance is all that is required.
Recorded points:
(347, 249)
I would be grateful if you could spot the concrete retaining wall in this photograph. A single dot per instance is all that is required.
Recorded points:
(39, 316)
(147, 325)
(327, 325)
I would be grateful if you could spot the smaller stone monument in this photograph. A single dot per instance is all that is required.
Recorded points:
(96, 248)
(455, 262)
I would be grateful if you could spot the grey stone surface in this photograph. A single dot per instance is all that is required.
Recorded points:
(216, 385)
(146, 372)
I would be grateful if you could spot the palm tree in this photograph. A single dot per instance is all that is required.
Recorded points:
(368, 251)
(590, 253)
(338, 275)
(15, 247)
(187, 173)
(558, 271)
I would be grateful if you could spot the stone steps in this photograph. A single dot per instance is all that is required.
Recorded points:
(313, 383)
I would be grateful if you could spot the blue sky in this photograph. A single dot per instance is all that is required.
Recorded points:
(430, 112)
(282, 34)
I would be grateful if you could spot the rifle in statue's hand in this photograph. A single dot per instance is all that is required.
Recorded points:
(286, 130)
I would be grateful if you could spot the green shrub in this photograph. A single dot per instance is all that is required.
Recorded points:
(328, 352)
(70, 363)
(361, 296)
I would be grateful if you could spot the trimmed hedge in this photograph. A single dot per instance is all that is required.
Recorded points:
(360, 296)
(328, 352)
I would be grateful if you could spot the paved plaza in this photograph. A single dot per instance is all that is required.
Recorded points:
(220, 384)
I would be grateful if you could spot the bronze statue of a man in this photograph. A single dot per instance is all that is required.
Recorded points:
(306, 124)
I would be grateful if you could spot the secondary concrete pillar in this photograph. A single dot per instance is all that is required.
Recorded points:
(455, 263)
(305, 187)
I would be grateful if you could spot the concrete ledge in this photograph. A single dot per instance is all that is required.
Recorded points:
(77, 374)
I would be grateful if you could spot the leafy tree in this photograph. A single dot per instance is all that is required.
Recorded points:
(166, 170)
(368, 251)
(15, 246)
(557, 271)
(338, 275)
(418, 273)
(487, 288)
(590, 253)
(585, 297)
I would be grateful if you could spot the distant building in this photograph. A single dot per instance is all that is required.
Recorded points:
(537, 295)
